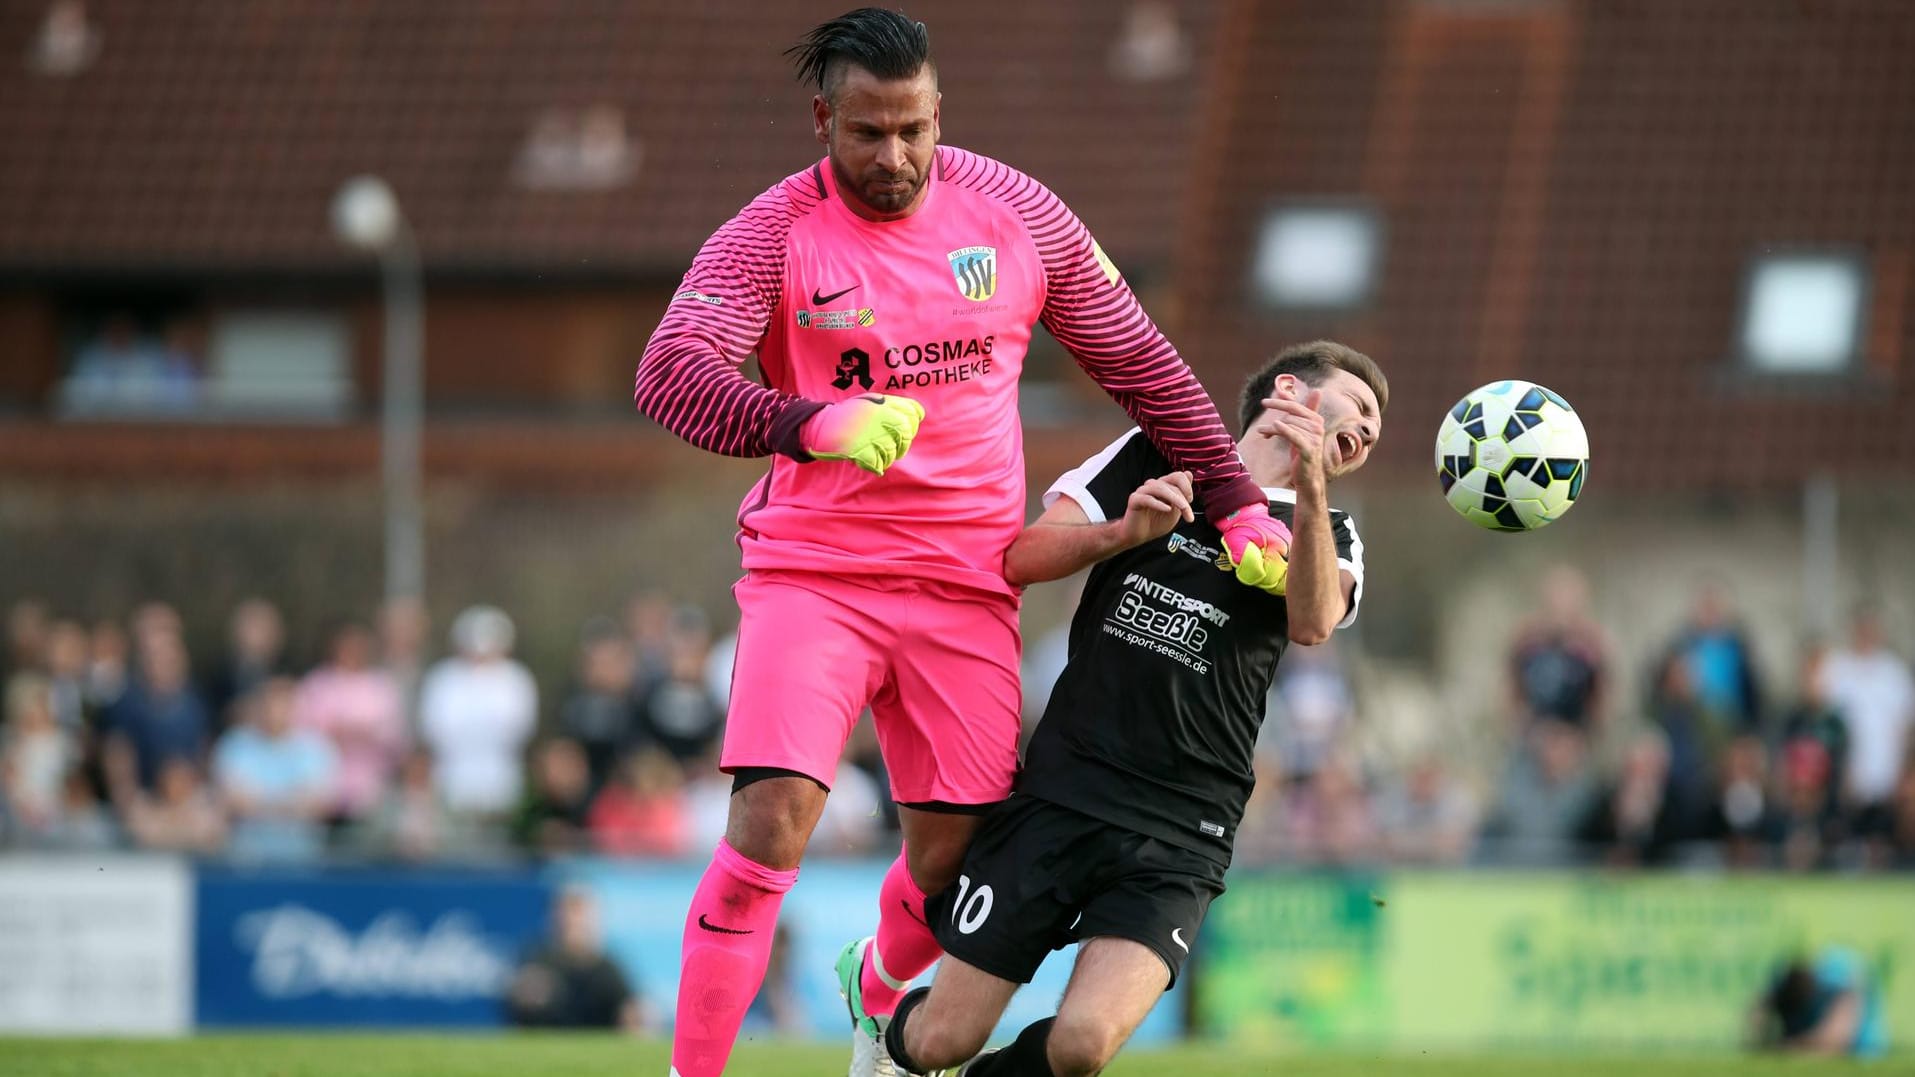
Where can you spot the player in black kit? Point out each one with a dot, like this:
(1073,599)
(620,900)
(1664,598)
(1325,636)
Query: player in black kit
(1123,818)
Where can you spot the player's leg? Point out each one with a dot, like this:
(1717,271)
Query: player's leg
(946,1023)
(734,914)
(803,672)
(1013,904)
(934,844)
(947,722)
(1138,930)
(1112,989)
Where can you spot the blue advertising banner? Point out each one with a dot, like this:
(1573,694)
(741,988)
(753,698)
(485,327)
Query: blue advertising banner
(421,948)
(642,909)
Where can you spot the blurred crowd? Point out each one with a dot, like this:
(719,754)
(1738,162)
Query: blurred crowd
(386,745)
(1720,764)
(117,736)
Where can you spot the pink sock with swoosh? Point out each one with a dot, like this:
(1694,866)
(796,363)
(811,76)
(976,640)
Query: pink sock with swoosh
(905,946)
(727,947)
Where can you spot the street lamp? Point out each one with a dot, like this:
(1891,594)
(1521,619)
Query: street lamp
(366,216)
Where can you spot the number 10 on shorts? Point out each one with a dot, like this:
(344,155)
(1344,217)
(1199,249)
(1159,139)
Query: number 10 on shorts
(972,907)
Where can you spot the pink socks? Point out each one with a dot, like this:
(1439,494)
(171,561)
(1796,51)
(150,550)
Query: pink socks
(727,946)
(904,946)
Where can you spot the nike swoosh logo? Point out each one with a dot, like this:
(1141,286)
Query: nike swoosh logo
(702,922)
(908,911)
(820,300)
(1177,936)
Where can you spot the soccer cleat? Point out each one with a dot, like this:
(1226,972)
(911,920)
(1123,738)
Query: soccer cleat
(869,1057)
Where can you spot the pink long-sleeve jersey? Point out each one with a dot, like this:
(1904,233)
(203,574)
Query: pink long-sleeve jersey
(938,306)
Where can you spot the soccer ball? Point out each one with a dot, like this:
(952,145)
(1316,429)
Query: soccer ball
(1512,456)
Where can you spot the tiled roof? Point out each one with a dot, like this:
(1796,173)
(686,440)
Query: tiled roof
(1570,193)
(212,134)
(1570,189)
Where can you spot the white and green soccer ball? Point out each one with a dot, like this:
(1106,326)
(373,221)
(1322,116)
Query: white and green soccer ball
(1512,456)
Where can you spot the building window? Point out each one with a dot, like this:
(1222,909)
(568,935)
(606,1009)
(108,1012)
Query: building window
(1317,256)
(289,365)
(1802,313)
(169,360)
(134,362)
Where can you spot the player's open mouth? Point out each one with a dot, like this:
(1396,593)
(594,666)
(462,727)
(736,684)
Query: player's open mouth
(1347,447)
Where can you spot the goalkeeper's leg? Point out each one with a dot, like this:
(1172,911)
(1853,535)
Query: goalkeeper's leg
(809,658)
(733,915)
(948,722)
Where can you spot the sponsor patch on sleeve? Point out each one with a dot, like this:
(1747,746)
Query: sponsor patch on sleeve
(1103,260)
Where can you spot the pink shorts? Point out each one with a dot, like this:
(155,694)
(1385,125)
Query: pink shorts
(936,664)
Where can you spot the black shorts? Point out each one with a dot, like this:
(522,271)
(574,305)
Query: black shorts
(1040,876)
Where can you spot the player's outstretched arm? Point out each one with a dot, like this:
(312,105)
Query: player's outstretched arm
(1094,314)
(1064,541)
(1317,592)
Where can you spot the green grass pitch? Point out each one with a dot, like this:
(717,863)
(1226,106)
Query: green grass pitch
(520,1055)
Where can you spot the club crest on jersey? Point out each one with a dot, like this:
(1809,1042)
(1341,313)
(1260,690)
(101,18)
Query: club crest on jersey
(976,271)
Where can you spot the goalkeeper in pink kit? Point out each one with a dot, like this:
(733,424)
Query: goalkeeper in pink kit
(889,291)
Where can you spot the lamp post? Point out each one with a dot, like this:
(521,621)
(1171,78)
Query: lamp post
(366,216)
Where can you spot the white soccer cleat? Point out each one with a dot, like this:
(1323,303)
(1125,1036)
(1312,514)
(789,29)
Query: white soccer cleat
(869,1057)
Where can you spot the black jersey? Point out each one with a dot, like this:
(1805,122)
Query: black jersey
(1154,720)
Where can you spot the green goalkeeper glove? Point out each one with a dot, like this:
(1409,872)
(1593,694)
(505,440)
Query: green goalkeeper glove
(1258,546)
(871,431)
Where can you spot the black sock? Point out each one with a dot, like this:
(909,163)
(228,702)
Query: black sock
(894,1035)
(1026,1057)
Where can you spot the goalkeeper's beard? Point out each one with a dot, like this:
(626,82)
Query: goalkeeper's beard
(875,189)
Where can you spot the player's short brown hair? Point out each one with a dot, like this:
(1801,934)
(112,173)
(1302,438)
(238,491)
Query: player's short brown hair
(1311,362)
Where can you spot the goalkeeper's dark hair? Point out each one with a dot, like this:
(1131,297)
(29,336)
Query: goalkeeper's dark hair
(883,42)
(1310,363)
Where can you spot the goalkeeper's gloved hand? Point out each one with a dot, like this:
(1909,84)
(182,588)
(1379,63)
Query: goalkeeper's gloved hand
(871,431)
(1258,546)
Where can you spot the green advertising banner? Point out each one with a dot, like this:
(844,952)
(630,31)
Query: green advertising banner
(1642,962)
(1293,961)
(1532,961)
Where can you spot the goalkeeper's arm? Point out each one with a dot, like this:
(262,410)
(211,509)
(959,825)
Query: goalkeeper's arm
(872,431)
(688,378)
